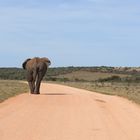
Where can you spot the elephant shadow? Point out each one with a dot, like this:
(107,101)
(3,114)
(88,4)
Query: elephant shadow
(55,94)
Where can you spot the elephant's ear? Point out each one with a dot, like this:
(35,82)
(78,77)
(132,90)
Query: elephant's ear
(24,63)
(47,61)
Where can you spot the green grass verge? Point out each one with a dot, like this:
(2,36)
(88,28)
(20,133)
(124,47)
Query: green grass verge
(9,88)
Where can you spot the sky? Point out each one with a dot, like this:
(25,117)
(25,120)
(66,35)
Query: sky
(70,32)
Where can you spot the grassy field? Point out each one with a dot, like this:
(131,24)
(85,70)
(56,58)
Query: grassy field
(88,76)
(121,84)
(9,88)
(130,91)
(121,81)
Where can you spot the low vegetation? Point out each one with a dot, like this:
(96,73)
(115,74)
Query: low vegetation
(123,89)
(67,72)
(121,81)
(9,88)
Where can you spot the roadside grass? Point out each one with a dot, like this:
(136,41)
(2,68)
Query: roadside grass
(130,91)
(9,88)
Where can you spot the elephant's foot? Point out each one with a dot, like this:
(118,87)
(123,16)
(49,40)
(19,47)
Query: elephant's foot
(31,92)
(36,92)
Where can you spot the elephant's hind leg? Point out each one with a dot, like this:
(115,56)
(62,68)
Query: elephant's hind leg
(31,82)
(38,81)
(31,87)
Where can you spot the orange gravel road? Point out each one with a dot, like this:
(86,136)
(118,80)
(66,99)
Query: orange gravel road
(65,113)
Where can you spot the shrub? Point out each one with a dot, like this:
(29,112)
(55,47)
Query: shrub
(113,78)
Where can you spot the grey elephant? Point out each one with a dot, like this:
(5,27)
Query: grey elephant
(36,69)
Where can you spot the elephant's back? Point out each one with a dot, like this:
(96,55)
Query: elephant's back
(41,66)
(31,64)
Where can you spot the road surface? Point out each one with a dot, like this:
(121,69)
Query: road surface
(65,113)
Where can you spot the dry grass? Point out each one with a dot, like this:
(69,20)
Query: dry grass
(127,90)
(88,76)
(9,88)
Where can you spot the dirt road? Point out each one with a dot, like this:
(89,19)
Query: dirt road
(65,113)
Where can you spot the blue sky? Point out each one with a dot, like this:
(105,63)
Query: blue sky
(70,32)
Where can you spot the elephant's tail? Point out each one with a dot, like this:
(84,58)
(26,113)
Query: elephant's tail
(24,63)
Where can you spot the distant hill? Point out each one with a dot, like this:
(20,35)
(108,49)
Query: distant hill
(75,73)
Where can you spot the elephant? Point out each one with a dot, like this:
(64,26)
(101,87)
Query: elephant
(36,69)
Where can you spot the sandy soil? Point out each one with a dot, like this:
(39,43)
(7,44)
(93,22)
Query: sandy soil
(65,113)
